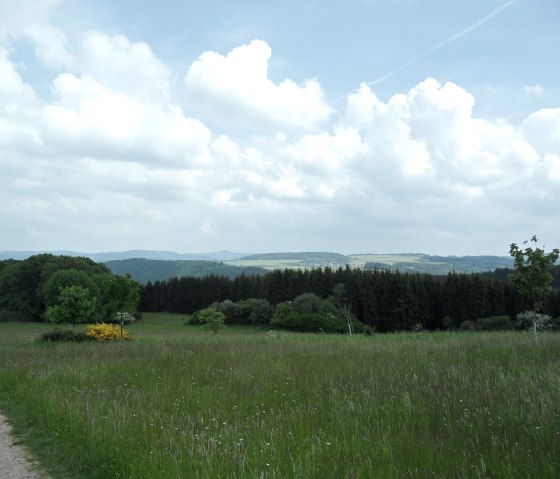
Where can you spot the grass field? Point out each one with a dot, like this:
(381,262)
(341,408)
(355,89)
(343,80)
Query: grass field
(270,264)
(179,403)
(355,260)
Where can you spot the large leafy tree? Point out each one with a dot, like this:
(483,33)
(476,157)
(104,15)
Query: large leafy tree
(23,283)
(75,305)
(56,282)
(533,273)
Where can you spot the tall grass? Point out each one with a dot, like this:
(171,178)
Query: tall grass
(282,406)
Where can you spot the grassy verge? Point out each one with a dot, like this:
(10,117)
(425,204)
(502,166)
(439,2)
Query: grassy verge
(252,404)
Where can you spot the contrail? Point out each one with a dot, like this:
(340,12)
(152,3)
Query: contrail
(447,41)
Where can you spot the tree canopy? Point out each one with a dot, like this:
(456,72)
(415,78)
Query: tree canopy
(30,288)
(533,272)
(74,305)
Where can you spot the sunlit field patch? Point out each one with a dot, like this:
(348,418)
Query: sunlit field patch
(270,404)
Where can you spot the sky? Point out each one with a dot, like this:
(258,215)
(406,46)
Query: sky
(351,126)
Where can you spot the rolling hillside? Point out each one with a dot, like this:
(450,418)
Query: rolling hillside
(409,262)
(145,270)
(422,263)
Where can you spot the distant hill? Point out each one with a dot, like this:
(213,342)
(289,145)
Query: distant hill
(428,264)
(310,256)
(409,262)
(113,256)
(406,262)
(145,270)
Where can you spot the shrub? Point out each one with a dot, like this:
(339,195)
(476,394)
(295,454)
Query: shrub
(248,311)
(310,313)
(211,318)
(449,323)
(107,332)
(368,330)
(468,325)
(258,311)
(495,323)
(63,335)
(544,321)
(121,316)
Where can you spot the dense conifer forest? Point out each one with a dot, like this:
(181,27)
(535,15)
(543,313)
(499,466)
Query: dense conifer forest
(384,300)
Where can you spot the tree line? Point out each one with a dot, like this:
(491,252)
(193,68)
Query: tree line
(384,300)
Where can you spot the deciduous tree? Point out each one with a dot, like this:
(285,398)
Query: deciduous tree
(75,305)
(121,295)
(533,273)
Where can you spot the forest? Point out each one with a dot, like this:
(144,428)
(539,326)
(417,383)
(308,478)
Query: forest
(379,300)
(383,300)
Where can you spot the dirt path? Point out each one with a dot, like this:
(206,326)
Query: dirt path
(14,460)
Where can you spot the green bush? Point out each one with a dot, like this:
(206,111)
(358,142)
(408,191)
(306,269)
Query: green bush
(449,323)
(495,323)
(211,319)
(248,311)
(309,313)
(259,311)
(64,335)
(368,330)
(544,321)
(467,325)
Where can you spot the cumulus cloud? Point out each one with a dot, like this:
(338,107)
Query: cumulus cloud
(88,117)
(542,130)
(30,19)
(430,137)
(16,97)
(18,15)
(235,89)
(124,66)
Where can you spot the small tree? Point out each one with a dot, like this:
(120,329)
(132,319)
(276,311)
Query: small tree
(75,305)
(211,318)
(533,274)
(121,295)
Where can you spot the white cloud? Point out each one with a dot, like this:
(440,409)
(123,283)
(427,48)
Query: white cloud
(552,167)
(324,153)
(88,116)
(124,66)
(542,130)
(51,45)
(30,18)
(18,15)
(235,89)
(428,142)
(535,90)
(16,97)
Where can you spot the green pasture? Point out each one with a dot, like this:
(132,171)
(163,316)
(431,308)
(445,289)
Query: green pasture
(359,260)
(178,402)
(355,261)
(270,264)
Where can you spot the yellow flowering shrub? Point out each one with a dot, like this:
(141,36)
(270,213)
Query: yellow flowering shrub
(107,332)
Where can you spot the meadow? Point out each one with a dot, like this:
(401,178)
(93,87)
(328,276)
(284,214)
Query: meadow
(177,402)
